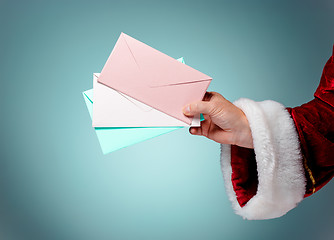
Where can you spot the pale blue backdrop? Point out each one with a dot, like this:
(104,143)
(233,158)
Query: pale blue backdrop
(55,183)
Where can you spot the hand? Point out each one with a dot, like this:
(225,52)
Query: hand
(224,122)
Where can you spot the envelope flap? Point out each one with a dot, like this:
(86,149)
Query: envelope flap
(121,67)
(89,95)
(160,69)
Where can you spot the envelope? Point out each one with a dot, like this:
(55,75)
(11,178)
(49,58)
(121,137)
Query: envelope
(112,139)
(112,108)
(153,78)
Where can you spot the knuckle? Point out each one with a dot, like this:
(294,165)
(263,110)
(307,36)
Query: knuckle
(218,96)
(217,108)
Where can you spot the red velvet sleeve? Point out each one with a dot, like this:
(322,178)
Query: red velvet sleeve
(315,126)
(314,123)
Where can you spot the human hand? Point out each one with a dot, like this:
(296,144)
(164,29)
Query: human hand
(224,122)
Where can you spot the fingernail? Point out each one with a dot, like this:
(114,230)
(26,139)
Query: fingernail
(187,109)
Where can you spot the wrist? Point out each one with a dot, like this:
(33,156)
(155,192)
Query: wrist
(245,138)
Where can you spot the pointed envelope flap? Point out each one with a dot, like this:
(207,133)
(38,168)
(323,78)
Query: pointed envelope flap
(160,69)
(89,95)
(121,69)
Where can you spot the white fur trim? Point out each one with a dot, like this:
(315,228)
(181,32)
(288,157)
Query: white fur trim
(281,178)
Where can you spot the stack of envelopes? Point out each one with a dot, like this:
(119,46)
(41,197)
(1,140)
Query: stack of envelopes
(140,94)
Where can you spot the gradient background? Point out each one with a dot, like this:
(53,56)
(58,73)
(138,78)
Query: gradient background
(56,184)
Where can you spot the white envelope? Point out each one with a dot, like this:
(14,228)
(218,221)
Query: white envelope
(115,109)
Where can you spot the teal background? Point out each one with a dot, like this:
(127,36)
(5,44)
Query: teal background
(55,183)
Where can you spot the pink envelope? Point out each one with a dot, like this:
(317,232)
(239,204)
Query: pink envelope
(152,77)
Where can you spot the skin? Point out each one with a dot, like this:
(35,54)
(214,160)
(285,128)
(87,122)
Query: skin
(224,122)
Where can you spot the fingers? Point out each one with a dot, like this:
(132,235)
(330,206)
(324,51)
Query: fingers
(203,130)
(209,95)
(211,101)
(213,134)
(198,107)
(195,130)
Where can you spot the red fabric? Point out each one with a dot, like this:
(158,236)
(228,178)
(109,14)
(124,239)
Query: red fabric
(315,126)
(244,173)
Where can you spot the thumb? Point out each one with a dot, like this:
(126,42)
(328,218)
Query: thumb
(203,107)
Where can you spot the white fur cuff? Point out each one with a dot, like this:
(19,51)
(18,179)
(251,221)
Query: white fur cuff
(281,178)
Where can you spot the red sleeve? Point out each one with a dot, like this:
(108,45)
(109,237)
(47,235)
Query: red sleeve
(315,126)
(314,123)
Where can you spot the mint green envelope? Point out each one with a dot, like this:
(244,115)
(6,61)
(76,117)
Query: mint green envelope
(112,139)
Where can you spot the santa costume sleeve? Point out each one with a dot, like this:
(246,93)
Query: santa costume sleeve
(293,155)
